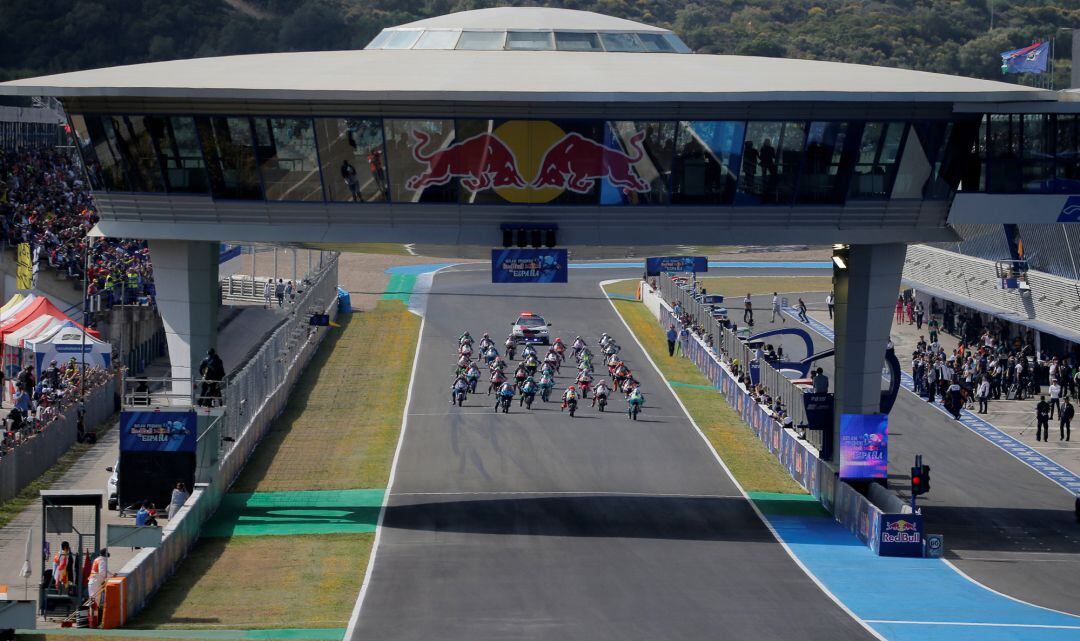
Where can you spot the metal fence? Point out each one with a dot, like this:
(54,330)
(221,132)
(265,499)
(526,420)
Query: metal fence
(22,135)
(709,319)
(265,371)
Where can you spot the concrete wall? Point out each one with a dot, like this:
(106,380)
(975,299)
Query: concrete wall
(149,570)
(30,460)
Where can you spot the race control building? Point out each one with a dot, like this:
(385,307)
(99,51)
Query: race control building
(443,130)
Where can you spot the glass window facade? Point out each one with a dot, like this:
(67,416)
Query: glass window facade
(177,144)
(708,158)
(571,41)
(229,148)
(352,157)
(621,42)
(530,40)
(875,163)
(438,40)
(476,161)
(481,40)
(288,161)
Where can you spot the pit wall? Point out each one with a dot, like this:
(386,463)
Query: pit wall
(850,508)
(283,357)
(32,458)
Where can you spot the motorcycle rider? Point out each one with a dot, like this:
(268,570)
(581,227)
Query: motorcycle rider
(577,346)
(531,363)
(460,384)
(490,354)
(510,344)
(600,391)
(611,348)
(528,351)
(520,374)
(547,383)
(628,385)
(636,397)
(584,379)
(462,362)
(472,375)
(506,391)
(570,394)
(528,391)
(620,373)
(464,338)
(498,363)
(552,358)
(486,342)
(465,350)
(604,338)
(497,379)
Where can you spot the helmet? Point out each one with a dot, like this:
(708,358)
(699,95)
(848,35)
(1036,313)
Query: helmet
(572,387)
(577,338)
(528,379)
(486,335)
(558,340)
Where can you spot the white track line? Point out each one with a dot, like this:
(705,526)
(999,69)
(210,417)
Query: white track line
(350,630)
(840,604)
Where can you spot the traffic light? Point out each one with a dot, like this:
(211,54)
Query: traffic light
(920,480)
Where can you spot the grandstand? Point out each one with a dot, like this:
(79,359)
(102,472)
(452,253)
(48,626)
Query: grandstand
(970,273)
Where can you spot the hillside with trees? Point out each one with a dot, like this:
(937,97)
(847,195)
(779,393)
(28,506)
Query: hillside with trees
(948,36)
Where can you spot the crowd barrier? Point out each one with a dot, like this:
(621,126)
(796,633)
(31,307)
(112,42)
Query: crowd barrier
(256,395)
(850,508)
(30,459)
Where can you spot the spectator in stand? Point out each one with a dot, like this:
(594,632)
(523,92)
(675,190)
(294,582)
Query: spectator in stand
(45,202)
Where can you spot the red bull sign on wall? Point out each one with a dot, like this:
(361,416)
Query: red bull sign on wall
(526,161)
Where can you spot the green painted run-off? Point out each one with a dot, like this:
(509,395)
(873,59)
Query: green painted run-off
(289,513)
(400,287)
(776,504)
(691,385)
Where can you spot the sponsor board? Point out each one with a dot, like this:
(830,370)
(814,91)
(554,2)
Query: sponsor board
(528,266)
(158,431)
(676,264)
(864,446)
(900,535)
(1070,211)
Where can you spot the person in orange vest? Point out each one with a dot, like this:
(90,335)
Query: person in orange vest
(62,568)
(99,574)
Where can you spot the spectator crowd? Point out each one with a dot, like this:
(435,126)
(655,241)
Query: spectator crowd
(45,201)
(38,401)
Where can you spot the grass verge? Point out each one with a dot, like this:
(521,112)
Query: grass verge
(263,582)
(31,493)
(338,431)
(754,467)
(341,426)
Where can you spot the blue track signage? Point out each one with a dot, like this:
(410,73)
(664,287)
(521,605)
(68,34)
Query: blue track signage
(158,431)
(528,266)
(678,264)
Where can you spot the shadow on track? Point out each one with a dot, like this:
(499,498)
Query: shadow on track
(610,516)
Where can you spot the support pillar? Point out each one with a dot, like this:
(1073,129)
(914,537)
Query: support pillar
(866,292)
(186,275)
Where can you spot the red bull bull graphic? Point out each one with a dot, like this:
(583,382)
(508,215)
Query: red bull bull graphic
(481,162)
(576,163)
(530,162)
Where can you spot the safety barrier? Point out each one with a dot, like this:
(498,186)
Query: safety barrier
(256,395)
(777,385)
(30,459)
(850,508)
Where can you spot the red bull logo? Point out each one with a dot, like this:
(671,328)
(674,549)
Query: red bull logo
(481,162)
(528,162)
(900,531)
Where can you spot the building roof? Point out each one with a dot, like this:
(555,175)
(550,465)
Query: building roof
(538,76)
(526,18)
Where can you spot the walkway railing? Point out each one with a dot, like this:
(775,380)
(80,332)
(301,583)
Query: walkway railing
(734,345)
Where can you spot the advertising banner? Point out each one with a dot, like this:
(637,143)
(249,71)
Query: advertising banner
(158,431)
(900,535)
(864,440)
(819,410)
(24,268)
(528,266)
(678,264)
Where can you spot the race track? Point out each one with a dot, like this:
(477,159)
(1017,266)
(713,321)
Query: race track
(534,525)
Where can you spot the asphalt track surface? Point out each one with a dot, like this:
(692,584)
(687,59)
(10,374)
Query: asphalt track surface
(533,525)
(1005,525)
